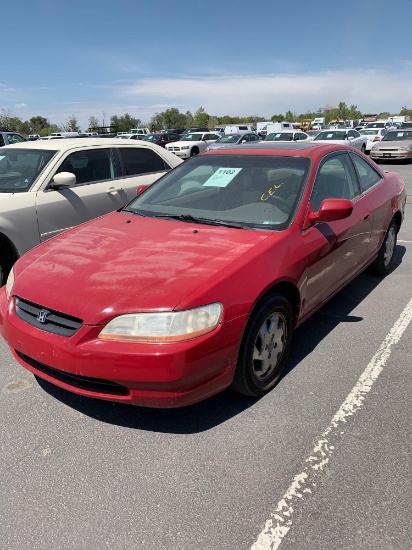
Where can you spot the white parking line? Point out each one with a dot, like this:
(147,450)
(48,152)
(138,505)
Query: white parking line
(277,527)
(405,242)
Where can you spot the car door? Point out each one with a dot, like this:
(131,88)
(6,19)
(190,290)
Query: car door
(99,189)
(140,166)
(371,185)
(355,139)
(336,250)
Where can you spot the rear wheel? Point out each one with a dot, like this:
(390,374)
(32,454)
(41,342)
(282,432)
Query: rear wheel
(5,265)
(265,347)
(383,262)
(363,149)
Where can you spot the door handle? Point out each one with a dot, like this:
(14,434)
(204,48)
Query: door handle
(114,189)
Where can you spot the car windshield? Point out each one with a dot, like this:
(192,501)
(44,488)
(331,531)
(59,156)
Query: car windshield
(398,136)
(19,168)
(279,136)
(192,137)
(153,137)
(334,134)
(253,191)
(230,138)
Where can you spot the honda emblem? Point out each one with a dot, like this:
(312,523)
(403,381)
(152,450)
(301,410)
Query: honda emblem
(42,316)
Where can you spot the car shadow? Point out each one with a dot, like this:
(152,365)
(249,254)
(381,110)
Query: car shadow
(215,410)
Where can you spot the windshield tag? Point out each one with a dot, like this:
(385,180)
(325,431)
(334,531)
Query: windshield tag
(222,177)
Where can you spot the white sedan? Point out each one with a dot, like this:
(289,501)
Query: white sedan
(287,135)
(343,137)
(192,144)
(373,135)
(49,186)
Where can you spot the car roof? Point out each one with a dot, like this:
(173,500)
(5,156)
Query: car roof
(305,149)
(70,143)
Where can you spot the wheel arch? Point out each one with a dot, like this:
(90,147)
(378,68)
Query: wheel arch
(9,251)
(398,219)
(288,290)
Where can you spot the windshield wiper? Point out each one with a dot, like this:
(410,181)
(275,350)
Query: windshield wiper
(195,219)
(130,211)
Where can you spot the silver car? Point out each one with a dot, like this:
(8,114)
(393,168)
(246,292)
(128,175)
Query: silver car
(395,145)
(47,187)
(234,139)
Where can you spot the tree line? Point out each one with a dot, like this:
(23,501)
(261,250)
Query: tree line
(173,118)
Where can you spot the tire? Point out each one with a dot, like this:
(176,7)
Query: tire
(194,151)
(383,262)
(363,149)
(259,366)
(5,265)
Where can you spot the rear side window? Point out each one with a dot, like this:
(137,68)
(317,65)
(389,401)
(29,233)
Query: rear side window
(368,177)
(142,161)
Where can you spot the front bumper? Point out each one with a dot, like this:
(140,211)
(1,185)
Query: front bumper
(394,154)
(150,375)
(185,154)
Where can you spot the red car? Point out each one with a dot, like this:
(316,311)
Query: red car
(198,283)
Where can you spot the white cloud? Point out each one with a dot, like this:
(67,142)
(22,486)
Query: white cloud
(20,106)
(268,94)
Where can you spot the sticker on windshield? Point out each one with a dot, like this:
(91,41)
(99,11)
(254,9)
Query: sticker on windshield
(222,177)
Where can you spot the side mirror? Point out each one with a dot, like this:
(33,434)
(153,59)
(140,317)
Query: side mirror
(331,210)
(64,179)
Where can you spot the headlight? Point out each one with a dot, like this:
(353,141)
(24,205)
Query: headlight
(163,327)
(10,283)
(185,147)
(404,148)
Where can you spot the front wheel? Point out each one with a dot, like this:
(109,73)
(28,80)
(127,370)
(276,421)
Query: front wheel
(363,149)
(194,151)
(383,262)
(265,347)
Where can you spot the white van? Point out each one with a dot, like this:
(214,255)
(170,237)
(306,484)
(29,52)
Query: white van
(64,134)
(236,128)
(279,126)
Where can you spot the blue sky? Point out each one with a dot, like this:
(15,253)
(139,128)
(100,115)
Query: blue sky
(236,57)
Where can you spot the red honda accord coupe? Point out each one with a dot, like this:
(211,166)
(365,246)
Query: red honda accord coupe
(199,282)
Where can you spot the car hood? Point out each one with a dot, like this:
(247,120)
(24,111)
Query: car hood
(123,263)
(383,144)
(220,145)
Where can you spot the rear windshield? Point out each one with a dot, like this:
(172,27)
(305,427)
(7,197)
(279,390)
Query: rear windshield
(19,168)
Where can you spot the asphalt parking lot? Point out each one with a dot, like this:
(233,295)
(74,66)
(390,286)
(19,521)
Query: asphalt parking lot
(323,461)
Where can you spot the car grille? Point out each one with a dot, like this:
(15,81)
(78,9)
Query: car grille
(389,149)
(47,319)
(96,385)
(174,148)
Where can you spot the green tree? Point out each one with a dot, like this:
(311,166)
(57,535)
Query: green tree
(71,125)
(277,118)
(94,122)
(212,122)
(405,111)
(201,117)
(125,123)
(171,118)
(38,124)
(289,116)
